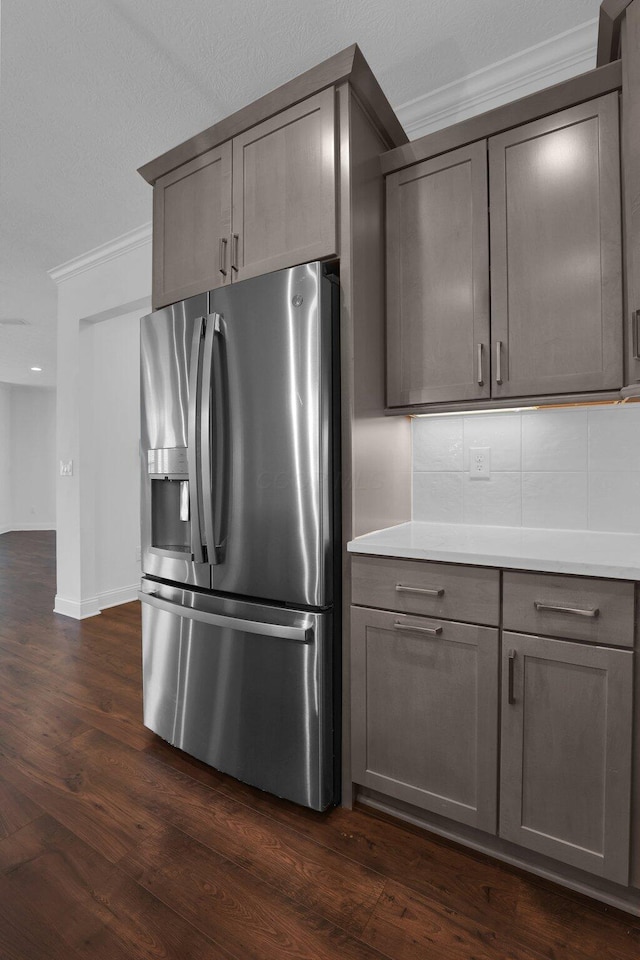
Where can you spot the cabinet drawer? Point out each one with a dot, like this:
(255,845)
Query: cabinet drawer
(579,608)
(451,591)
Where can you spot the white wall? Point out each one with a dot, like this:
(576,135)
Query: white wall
(110,352)
(33,458)
(575,469)
(5,445)
(103,285)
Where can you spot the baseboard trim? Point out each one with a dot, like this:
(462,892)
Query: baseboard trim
(113,598)
(30,526)
(81,609)
(5,530)
(76,609)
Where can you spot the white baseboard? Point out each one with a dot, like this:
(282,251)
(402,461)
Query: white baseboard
(563,56)
(31,526)
(112,598)
(77,609)
(4,530)
(81,609)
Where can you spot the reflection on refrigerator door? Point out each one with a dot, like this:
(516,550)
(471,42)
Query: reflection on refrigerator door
(243,687)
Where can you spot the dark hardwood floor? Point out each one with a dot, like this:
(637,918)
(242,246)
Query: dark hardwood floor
(114,846)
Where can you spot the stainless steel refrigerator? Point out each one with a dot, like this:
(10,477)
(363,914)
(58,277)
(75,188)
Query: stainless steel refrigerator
(240,549)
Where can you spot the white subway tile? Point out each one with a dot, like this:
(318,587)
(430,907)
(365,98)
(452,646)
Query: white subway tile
(437,497)
(437,444)
(501,432)
(554,440)
(614,439)
(496,502)
(555,500)
(614,501)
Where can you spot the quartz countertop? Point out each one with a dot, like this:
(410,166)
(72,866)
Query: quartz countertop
(581,552)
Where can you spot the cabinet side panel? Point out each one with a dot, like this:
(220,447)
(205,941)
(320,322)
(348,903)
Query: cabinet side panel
(376,450)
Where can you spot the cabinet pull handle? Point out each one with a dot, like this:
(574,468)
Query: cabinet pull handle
(432,631)
(499,361)
(222,256)
(635,320)
(591,612)
(480,376)
(234,251)
(512,665)
(425,591)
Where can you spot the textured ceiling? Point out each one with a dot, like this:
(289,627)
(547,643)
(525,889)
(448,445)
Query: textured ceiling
(92,89)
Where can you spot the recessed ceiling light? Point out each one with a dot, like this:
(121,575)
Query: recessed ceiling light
(36,369)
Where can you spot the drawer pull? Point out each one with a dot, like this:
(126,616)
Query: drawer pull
(511,697)
(432,631)
(425,591)
(576,611)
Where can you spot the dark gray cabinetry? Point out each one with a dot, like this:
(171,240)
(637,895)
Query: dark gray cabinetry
(551,216)
(556,281)
(566,752)
(438,280)
(425,713)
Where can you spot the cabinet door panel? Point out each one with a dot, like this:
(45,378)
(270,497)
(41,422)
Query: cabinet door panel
(556,283)
(566,752)
(438,280)
(284,188)
(191,216)
(424,713)
(630,40)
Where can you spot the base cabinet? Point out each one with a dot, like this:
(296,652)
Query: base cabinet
(565,769)
(425,713)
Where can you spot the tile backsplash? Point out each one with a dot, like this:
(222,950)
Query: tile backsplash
(562,469)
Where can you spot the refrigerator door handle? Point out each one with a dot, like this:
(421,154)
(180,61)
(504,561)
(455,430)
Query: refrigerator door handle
(197,549)
(213,331)
(303,634)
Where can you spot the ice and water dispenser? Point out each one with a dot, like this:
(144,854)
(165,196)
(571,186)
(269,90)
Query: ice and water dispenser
(170,512)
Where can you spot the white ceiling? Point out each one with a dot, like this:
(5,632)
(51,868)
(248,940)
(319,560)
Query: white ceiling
(92,89)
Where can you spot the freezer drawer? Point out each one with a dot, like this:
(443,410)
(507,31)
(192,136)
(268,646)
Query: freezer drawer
(245,687)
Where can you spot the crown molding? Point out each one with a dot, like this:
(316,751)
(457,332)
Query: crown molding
(102,254)
(543,65)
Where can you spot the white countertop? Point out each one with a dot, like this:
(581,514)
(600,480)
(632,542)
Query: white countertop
(582,552)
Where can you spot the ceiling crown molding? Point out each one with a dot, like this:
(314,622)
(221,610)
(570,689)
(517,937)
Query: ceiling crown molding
(552,61)
(102,254)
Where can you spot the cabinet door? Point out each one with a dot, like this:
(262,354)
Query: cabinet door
(425,713)
(191,227)
(556,283)
(438,280)
(566,752)
(284,189)
(630,40)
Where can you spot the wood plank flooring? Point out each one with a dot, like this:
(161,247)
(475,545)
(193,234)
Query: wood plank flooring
(113,845)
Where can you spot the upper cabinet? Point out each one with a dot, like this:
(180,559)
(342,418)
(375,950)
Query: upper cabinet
(438,280)
(504,256)
(284,189)
(260,202)
(556,269)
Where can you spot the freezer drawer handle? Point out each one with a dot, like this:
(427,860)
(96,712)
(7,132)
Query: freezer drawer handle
(425,591)
(576,611)
(302,634)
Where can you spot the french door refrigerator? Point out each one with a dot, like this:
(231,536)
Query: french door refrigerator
(240,549)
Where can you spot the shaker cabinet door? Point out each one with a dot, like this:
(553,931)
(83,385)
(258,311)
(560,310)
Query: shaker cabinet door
(438,280)
(284,189)
(425,713)
(191,227)
(566,752)
(556,280)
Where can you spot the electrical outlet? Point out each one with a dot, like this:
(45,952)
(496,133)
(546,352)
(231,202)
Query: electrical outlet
(66,468)
(479,463)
